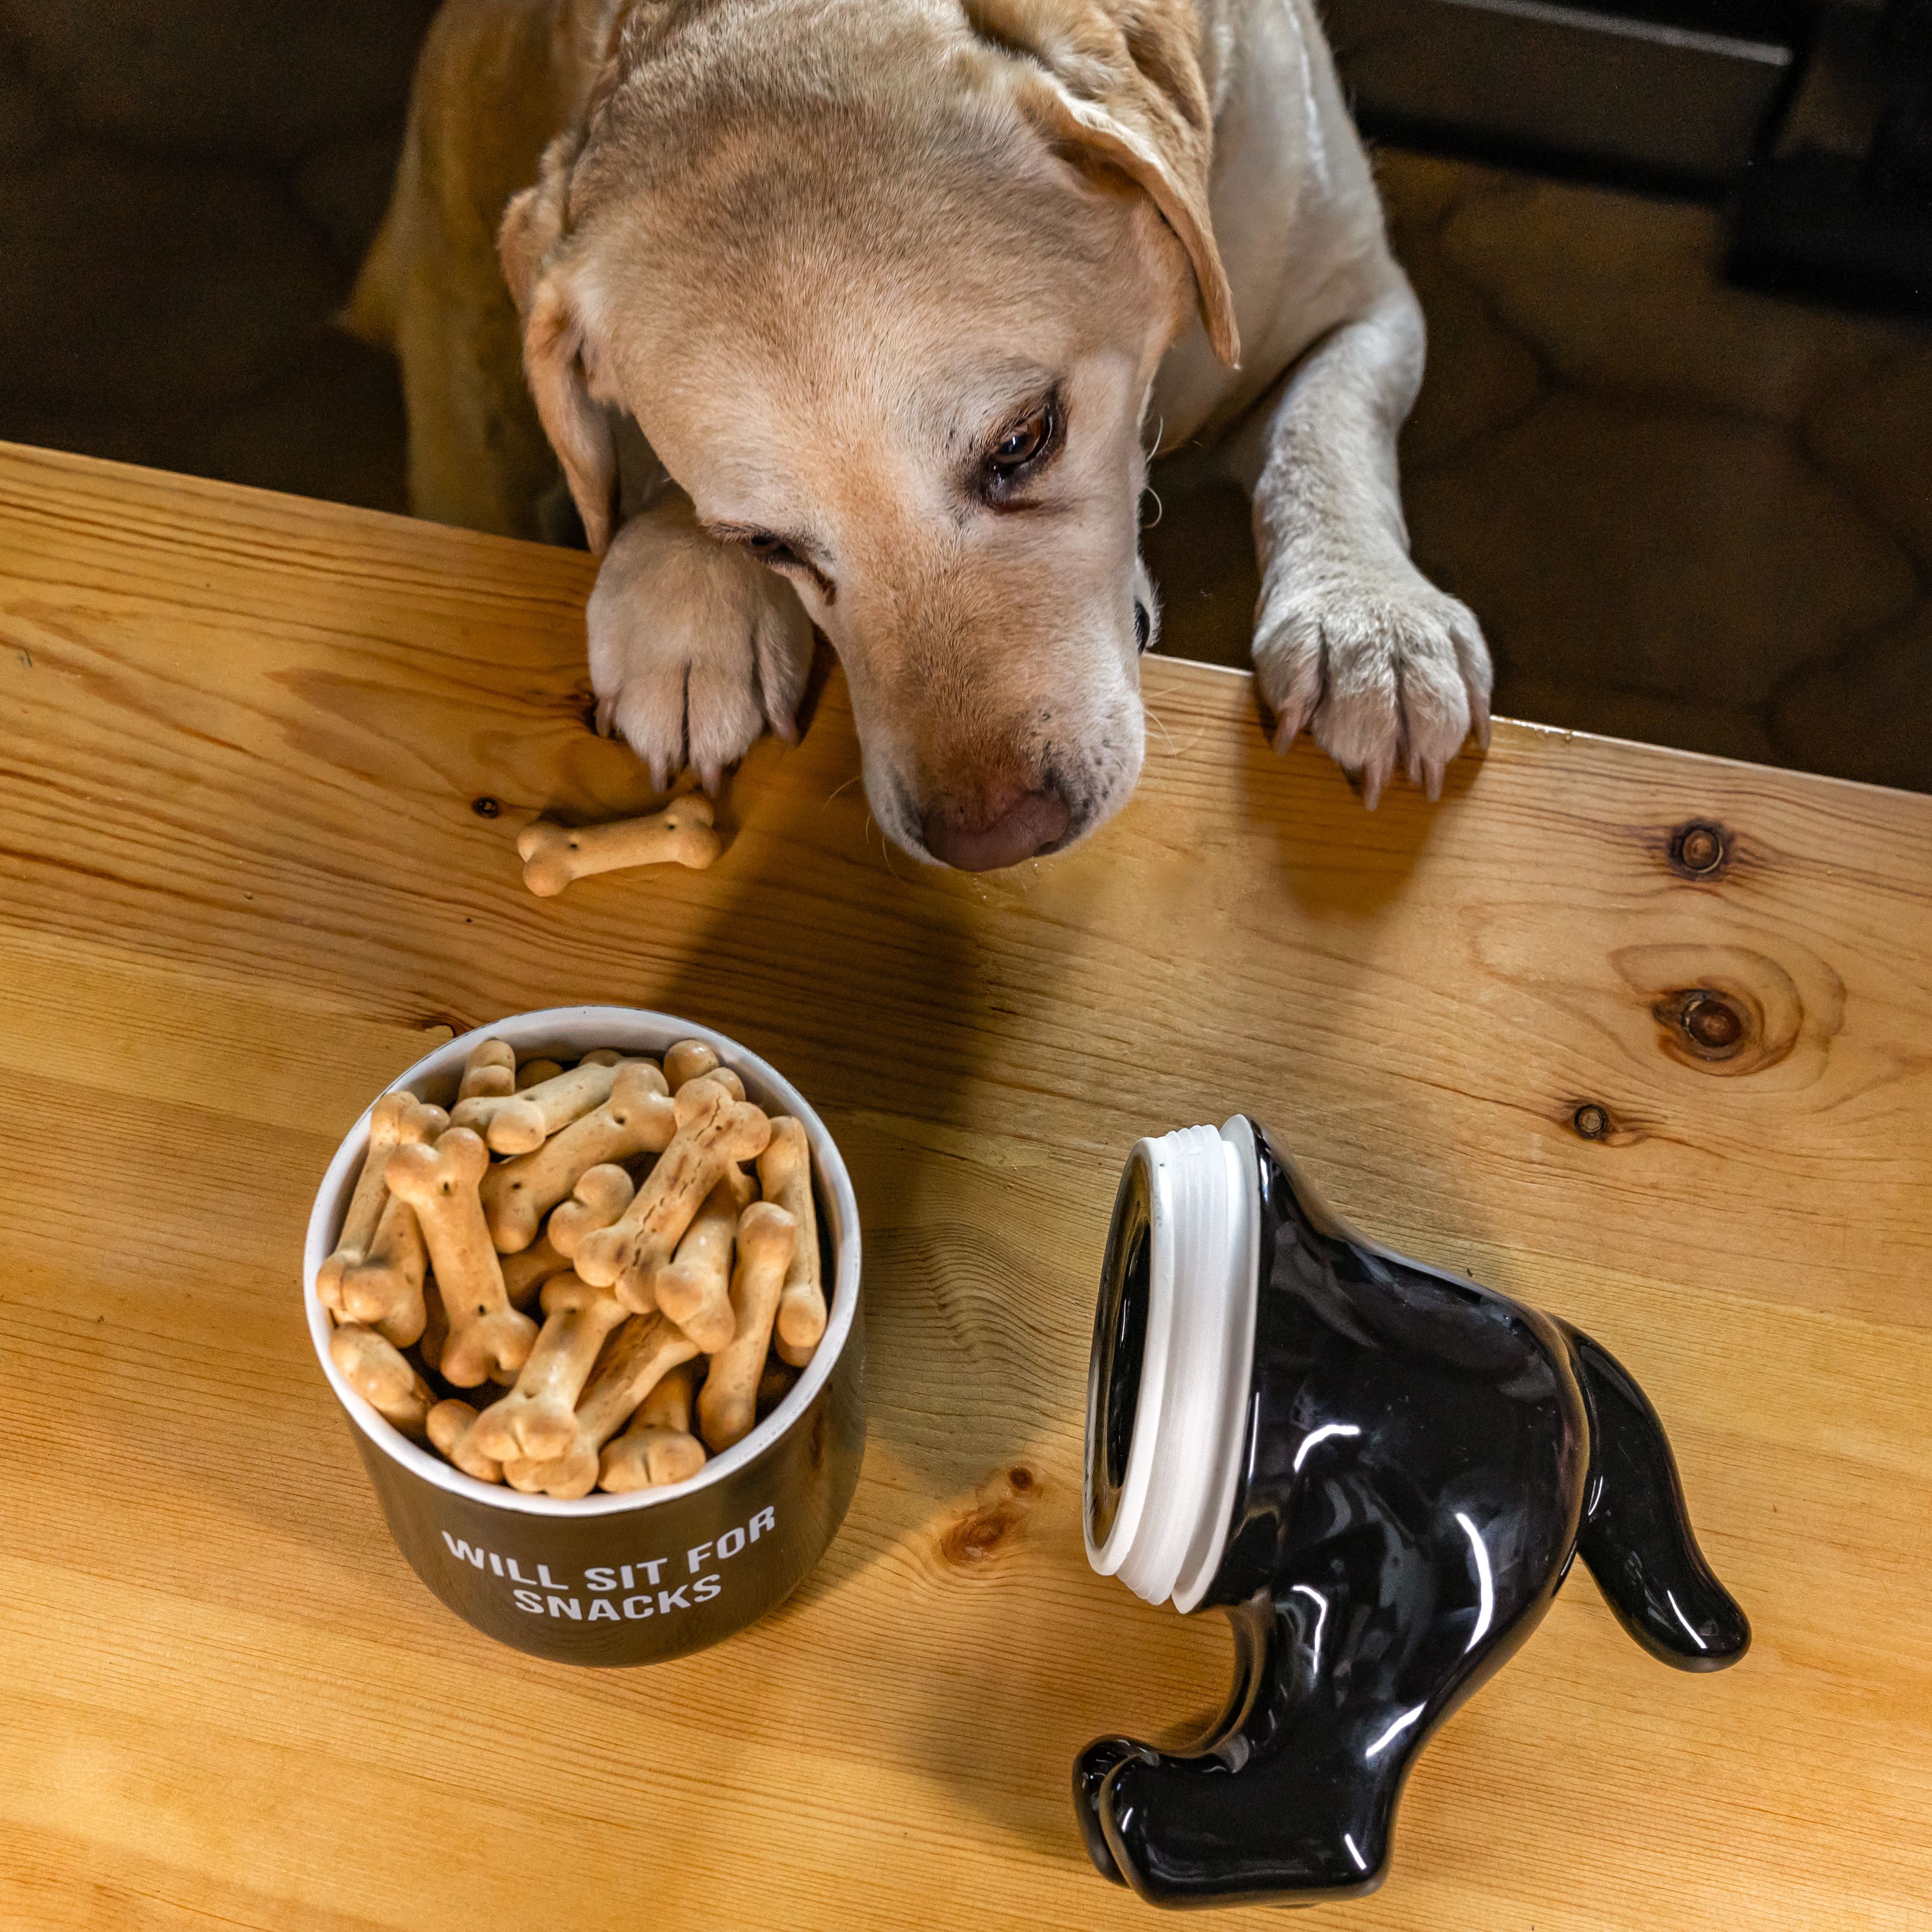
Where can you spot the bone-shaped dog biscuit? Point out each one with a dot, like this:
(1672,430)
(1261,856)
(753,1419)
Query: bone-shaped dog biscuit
(452,1428)
(383,1289)
(519,1122)
(440,1183)
(534,1072)
(680,835)
(669,1405)
(658,1447)
(785,1175)
(436,1333)
(365,1204)
(727,1407)
(601,1196)
(396,1118)
(694,1289)
(381,1375)
(550,1479)
(490,1068)
(537,1421)
(644,1350)
(689,1060)
(639,1118)
(715,1133)
(526,1270)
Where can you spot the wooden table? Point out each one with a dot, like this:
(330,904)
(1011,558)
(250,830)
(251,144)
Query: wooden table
(262,764)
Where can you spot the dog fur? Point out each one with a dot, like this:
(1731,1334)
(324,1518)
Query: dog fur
(792,280)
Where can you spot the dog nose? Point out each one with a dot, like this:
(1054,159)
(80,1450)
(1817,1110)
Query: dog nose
(1008,826)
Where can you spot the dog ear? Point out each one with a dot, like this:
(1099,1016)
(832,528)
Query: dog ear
(1119,84)
(534,224)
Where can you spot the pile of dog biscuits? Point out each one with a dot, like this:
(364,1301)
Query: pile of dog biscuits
(625,1255)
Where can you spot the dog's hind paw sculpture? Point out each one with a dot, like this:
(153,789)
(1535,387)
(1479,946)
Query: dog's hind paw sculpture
(1382,1472)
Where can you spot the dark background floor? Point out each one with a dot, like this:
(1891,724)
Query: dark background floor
(1684,513)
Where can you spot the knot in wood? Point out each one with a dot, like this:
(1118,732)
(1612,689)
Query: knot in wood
(977,1534)
(1699,849)
(1712,1024)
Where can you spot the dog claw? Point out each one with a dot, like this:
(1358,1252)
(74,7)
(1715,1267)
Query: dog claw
(1433,776)
(712,778)
(1289,725)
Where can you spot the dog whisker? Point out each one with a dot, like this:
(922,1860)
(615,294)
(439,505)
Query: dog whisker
(885,842)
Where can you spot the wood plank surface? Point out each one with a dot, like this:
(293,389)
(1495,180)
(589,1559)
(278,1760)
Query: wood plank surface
(246,744)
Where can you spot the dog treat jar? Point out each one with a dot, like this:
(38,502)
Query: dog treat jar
(1381,1472)
(655,1573)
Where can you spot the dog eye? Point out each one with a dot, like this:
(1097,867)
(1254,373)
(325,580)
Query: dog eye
(1023,446)
(769,549)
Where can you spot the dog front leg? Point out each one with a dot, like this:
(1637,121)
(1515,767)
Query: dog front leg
(1351,639)
(694,648)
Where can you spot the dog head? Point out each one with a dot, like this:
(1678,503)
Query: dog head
(888,305)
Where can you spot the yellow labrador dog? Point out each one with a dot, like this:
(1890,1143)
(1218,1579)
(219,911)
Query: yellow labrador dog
(864,314)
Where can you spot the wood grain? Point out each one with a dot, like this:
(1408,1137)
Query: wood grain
(244,878)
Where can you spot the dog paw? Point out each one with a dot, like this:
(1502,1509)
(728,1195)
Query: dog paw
(1383,668)
(694,649)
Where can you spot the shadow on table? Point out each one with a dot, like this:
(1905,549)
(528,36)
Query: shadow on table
(1335,856)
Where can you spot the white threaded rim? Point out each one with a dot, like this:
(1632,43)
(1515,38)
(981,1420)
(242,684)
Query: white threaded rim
(1171,1526)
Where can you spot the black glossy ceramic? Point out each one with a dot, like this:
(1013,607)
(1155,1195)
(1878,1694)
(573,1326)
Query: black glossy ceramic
(653,1575)
(1420,1460)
